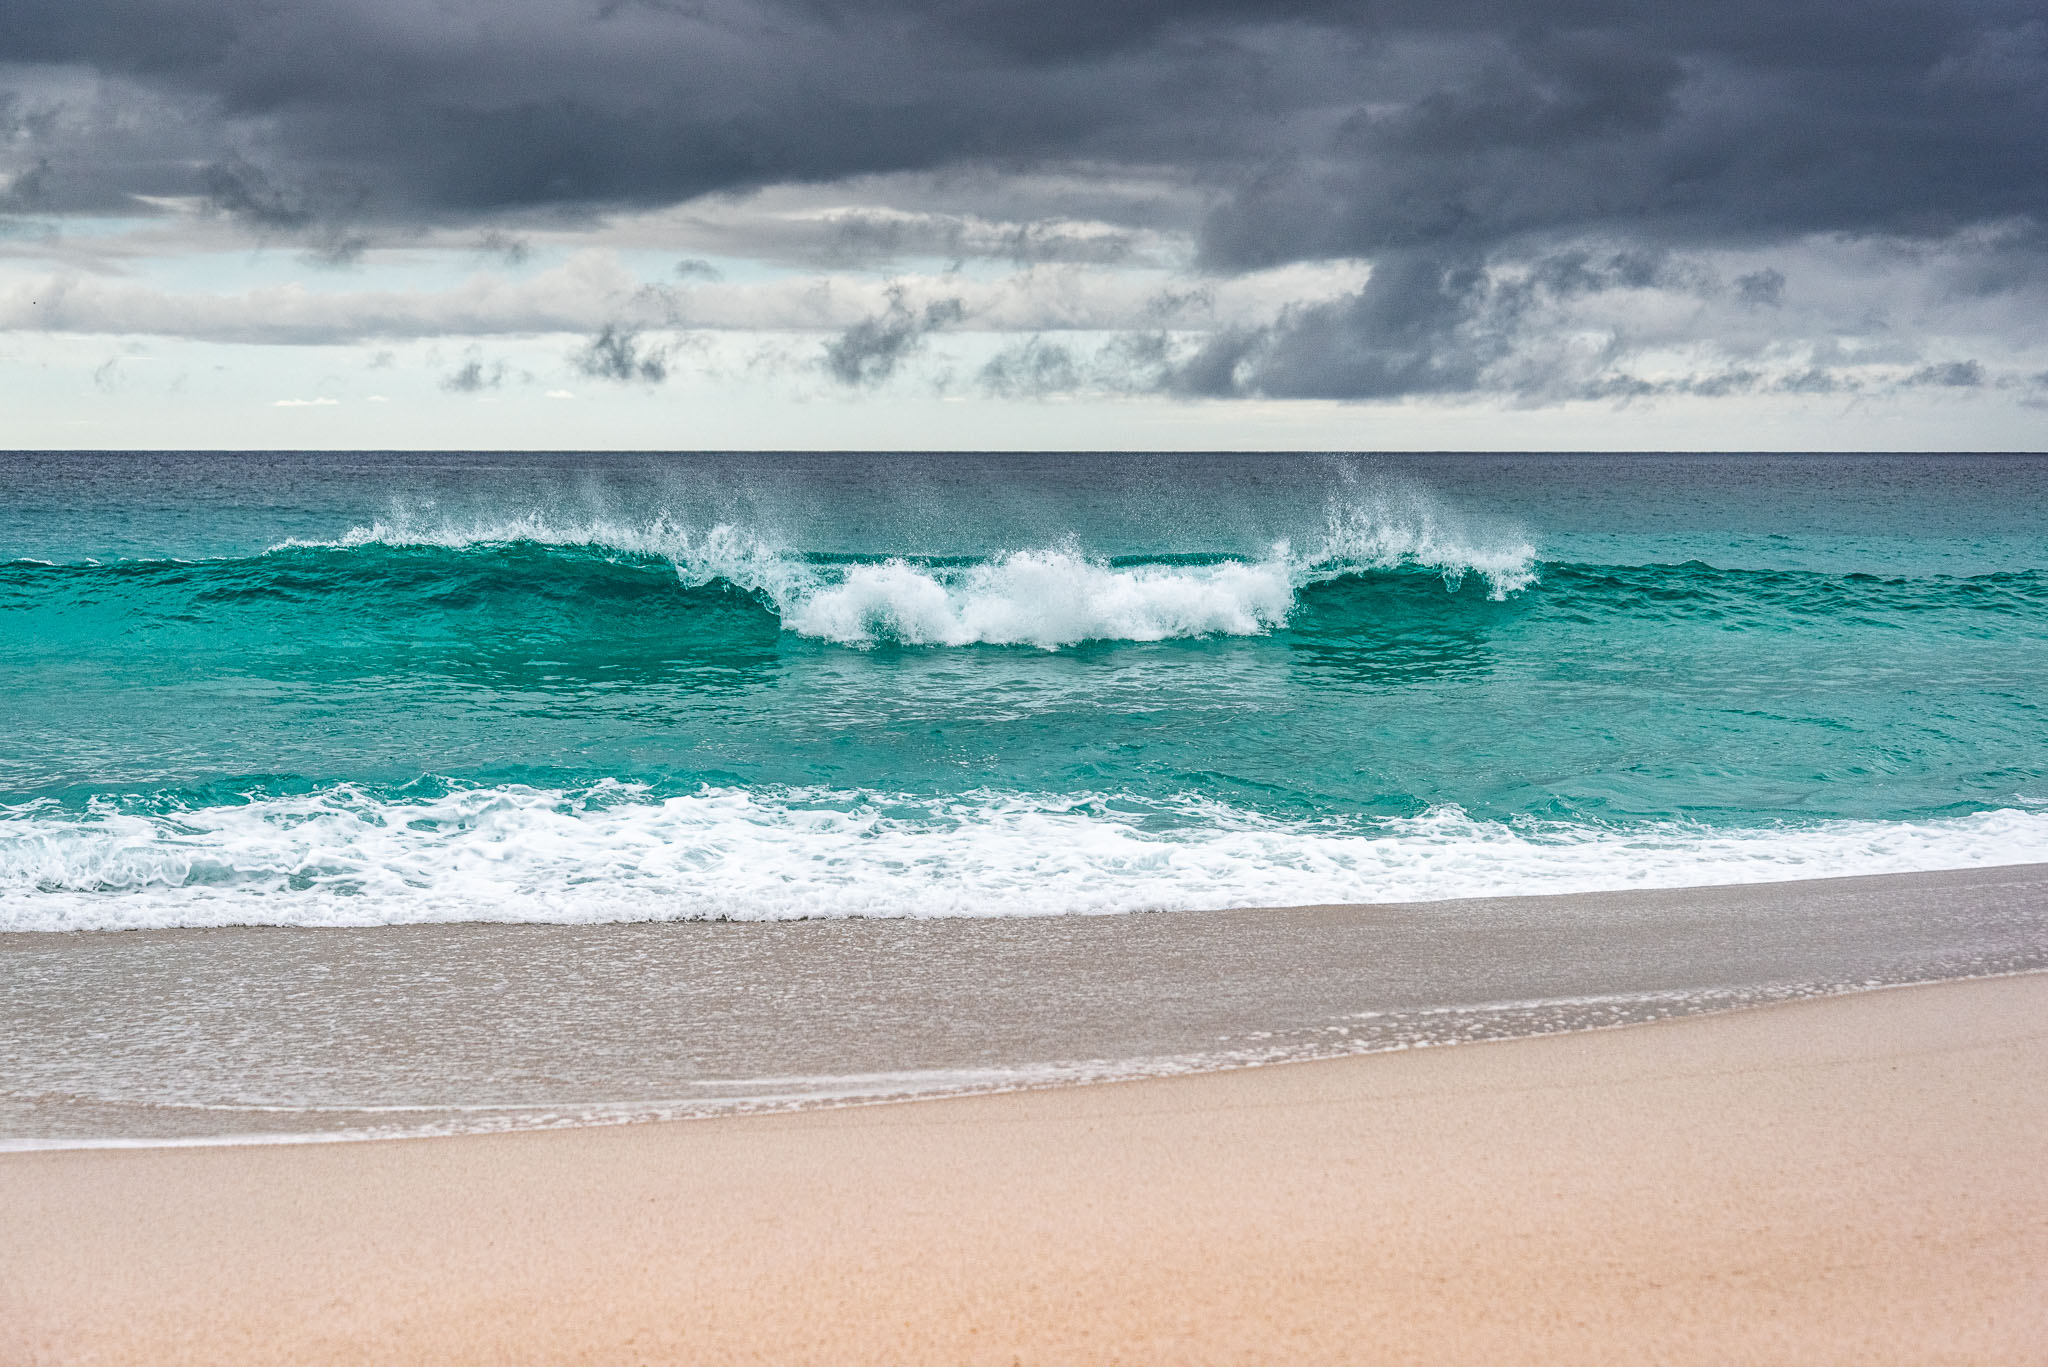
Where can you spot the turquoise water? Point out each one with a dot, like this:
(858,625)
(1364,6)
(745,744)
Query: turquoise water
(359,688)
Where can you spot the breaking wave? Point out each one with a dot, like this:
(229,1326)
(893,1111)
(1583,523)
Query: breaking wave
(1046,596)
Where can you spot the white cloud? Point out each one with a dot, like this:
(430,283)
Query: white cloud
(594,289)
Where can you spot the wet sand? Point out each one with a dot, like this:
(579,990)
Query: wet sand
(1854,1179)
(390,1030)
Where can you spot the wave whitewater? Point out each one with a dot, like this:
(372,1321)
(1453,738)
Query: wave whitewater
(630,594)
(1047,596)
(612,851)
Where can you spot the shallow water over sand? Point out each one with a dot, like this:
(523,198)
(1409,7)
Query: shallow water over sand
(168,1036)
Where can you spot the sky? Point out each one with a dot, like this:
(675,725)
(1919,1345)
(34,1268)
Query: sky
(964,224)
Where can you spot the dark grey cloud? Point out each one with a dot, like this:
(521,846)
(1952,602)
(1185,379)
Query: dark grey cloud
(1543,330)
(869,352)
(618,353)
(91,142)
(321,215)
(1695,123)
(1420,325)
(25,191)
(1764,287)
(1424,323)
(237,188)
(473,377)
(1324,129)
(1468,148)
(499,245)
(1034,369)
(1949,375)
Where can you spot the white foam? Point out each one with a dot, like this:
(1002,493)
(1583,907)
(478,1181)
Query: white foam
(1045,596)
(613,852)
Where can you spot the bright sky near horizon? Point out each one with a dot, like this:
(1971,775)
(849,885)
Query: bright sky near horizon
(910,224)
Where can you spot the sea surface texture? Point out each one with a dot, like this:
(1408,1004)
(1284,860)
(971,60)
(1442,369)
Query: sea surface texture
(358,689)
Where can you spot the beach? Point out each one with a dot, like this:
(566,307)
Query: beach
(247,1032)
(977,684)
(1063,907)
(1860,1178)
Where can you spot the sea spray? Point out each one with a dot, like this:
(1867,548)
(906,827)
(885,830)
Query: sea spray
(1048,596)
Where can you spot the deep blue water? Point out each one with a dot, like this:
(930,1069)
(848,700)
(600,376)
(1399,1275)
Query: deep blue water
(369,687)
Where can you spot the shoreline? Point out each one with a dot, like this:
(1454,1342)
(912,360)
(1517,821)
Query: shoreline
(265,1035)
(1854,1178)
(917,1098)
(1534,898)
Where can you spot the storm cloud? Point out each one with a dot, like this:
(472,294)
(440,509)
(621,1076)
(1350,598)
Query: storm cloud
(1323,128)
(1471,150)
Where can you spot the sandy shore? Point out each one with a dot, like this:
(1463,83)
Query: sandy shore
(1858,1179)
(384,1030)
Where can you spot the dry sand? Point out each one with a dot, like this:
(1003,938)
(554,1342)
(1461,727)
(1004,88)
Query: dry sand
(1860,1179)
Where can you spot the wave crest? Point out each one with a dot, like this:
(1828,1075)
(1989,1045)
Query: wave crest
(1047,596)
(1382,534)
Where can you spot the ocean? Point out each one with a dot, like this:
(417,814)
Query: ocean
(362,794)
(353,689)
